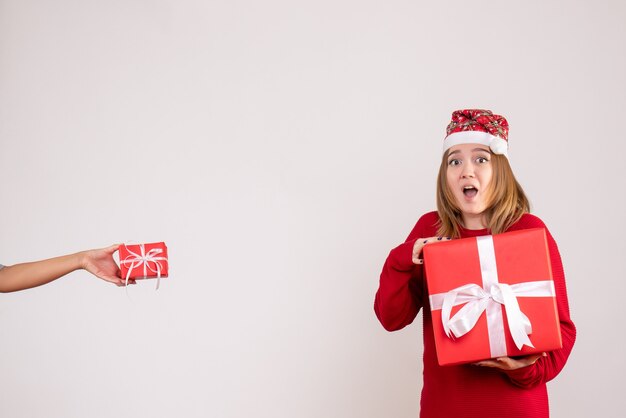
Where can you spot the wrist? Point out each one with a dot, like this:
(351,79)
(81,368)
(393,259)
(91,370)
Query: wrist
(80,260)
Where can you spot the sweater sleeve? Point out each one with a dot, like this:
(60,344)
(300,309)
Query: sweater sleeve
(547,368)
(399,295)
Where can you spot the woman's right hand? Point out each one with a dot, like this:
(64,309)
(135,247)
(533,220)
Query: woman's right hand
(101,264)
(419,245)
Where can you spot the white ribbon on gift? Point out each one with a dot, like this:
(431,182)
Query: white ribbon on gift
(135,260)
(490,298)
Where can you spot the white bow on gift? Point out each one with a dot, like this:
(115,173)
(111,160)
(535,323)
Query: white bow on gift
(135,260)
(479,300)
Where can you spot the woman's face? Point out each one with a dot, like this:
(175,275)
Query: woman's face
(469,174)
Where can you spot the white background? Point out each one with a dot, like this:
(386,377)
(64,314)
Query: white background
(281,149)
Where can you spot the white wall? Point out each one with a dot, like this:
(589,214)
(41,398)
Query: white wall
(281,149)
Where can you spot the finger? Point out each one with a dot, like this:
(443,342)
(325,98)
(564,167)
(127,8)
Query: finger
(434,240)
(488,363)
(512,364)
(421,242)
(419,245)
(112,248)
(109,278)
(530,359)
(116,280)
(507,362)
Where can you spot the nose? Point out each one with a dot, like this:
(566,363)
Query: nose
(467,172)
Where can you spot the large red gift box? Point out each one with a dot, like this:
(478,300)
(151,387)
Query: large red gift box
(492,296)
(143,261)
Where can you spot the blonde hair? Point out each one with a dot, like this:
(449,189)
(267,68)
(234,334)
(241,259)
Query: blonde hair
(506,200)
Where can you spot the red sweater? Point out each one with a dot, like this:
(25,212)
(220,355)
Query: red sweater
(468,390)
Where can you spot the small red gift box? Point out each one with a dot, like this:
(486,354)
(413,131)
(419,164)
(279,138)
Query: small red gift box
(143,261)
(492,296)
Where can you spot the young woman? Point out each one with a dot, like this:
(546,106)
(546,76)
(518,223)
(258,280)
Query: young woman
(98,262)
(477,194)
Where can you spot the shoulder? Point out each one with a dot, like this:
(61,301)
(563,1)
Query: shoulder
(426,226)
(429,219)
(528,221)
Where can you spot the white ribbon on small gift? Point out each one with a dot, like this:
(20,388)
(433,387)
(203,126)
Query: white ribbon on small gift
(135,260)
(490,298)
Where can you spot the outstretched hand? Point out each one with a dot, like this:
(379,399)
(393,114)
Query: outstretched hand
(101,264)
(508,363)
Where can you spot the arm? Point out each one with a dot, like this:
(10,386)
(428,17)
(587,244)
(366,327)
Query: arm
(533,370)
(548,367)
(399,298)
(400,293)
(27,275)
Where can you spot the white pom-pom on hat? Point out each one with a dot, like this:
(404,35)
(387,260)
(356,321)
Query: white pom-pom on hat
(499,146)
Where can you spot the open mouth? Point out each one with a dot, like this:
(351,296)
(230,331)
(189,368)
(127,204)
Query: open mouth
(470,191)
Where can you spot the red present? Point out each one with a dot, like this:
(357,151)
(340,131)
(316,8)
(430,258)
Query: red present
(143,261)
(492,296)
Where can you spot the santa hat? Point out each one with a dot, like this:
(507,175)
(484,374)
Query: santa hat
(478,126)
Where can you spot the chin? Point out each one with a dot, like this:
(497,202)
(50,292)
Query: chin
(472,211)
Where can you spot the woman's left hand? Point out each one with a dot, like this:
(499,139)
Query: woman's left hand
(508,363)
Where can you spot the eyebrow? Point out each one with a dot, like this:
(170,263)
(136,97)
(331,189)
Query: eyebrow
(475,149)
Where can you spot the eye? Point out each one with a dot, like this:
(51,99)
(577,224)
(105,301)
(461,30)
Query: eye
(482,160)
(454,162)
